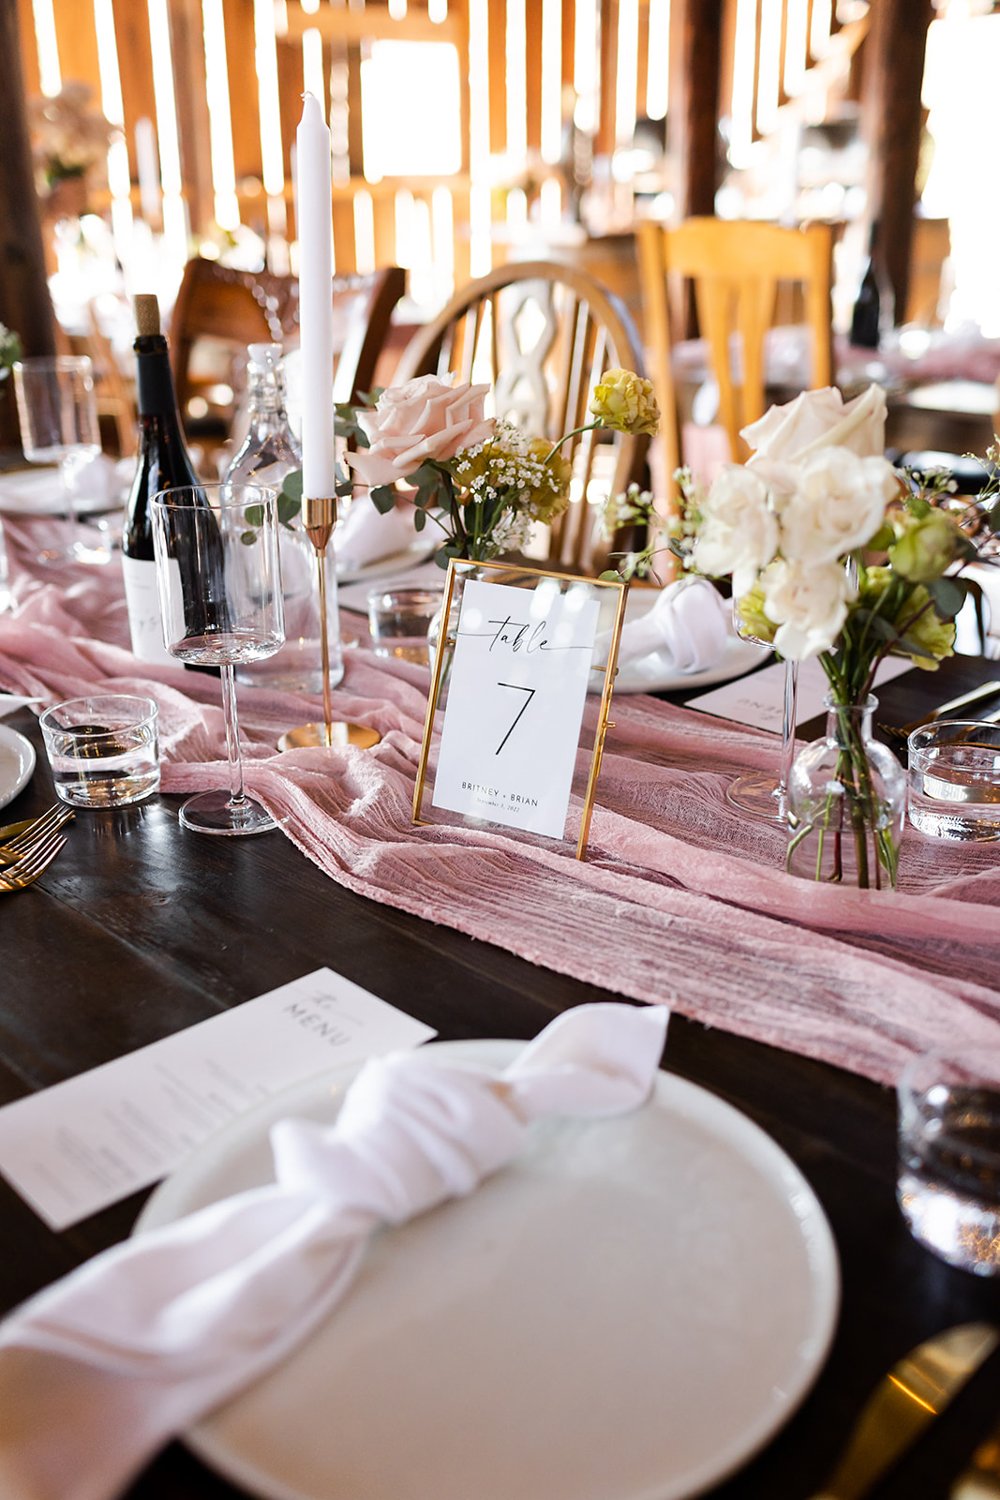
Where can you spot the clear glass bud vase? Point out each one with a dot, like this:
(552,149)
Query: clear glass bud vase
(847,800)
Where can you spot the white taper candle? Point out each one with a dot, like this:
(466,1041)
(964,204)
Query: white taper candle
(315,299)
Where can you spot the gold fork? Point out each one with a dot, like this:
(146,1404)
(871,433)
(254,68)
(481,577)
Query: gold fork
(26,870)
(21,838)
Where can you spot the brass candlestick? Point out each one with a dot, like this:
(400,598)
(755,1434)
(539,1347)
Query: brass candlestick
(319,518)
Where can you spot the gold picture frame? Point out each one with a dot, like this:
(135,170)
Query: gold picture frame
(610,596)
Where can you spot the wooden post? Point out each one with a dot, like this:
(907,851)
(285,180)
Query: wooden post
(25,305)
(692,121)
(891,119)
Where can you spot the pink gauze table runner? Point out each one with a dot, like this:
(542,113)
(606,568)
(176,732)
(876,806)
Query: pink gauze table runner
(681,901)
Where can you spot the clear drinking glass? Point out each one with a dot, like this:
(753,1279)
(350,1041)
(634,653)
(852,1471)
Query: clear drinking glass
(954,779)
(58,416)
(102,749)
(756,793)
(219,583)
(399,620)
(949,1155)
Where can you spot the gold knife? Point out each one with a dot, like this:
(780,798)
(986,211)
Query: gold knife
(904,1403)
(980,694)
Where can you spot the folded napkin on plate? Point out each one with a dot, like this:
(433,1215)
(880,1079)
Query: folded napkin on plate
(687,628)
(98,484)
(99,1370)
(365,536)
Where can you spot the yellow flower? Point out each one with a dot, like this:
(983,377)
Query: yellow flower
(934,637)
(552,496)
(926,547)
(625,401)
(753,620)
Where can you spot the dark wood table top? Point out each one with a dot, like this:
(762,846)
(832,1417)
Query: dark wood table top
(140,929)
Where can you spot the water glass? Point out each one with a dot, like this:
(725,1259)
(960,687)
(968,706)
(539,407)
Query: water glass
(103,749)
(219,583)
(954,779)
(949,1155)
(399,620)
(57,412)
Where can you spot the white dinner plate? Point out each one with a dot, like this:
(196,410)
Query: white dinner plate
(17,763)
(627,1312)
(421,547)
(39,492)
(656,673)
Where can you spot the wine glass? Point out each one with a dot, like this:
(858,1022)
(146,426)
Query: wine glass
(219,584)
(756,793)
(58,417)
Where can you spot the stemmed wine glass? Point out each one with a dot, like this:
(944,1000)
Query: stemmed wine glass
(756,793)
(58,417)
(219,584)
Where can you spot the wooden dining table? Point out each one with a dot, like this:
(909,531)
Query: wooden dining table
(140,928)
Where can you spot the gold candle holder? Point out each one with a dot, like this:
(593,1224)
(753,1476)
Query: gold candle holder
(319,516)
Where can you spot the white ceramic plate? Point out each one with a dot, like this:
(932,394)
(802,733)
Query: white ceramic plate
(656,673)
(628,1312)
(39,492)
(421,547)
(17,763)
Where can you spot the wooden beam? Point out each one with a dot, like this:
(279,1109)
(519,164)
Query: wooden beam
(24,294)
(890,124)
(188,49)
(695,62)
(336,24)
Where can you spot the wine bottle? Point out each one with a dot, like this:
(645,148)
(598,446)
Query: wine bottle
(873,308)
(164,463)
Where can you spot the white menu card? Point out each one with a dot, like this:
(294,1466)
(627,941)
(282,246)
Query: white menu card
(758,699)
(81,1145)
(516,695)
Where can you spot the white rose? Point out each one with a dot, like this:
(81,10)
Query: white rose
(838,504)
(786,436)
(808,604)
(739,533)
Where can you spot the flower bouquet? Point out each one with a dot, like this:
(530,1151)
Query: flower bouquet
(831,554)
(480,481)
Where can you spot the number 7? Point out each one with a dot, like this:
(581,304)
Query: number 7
(531,693)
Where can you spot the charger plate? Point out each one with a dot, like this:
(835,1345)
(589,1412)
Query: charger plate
(627,1312)
(17,763)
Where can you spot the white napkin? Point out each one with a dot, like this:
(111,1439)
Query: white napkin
(687,628)
(98,484)
(99,1370)
(11,702)
(364,536)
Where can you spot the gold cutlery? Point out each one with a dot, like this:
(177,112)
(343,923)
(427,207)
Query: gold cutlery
(981,1480)
(18,839)
(980,694)
(904,1403)
(26,870)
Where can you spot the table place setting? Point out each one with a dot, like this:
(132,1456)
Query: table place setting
(391,1248)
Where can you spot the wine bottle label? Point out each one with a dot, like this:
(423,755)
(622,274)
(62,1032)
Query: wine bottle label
(143,602)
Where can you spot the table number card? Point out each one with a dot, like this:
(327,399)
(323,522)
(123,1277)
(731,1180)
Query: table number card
(505,719)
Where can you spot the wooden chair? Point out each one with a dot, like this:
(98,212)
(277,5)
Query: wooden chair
(541,333)
(236,308)
(736,268)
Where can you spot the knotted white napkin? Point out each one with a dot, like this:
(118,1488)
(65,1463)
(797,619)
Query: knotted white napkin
(99,1370)
(687,628)
(365,536)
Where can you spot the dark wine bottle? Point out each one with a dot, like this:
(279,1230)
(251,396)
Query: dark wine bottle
(873,308)
(164,463)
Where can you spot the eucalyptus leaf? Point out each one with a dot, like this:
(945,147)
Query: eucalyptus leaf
(248,538)
(383,497)
(948,597)
(419,520)
(291,486)
(254,515)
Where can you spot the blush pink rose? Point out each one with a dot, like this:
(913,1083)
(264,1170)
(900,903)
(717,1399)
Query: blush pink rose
(425,418)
